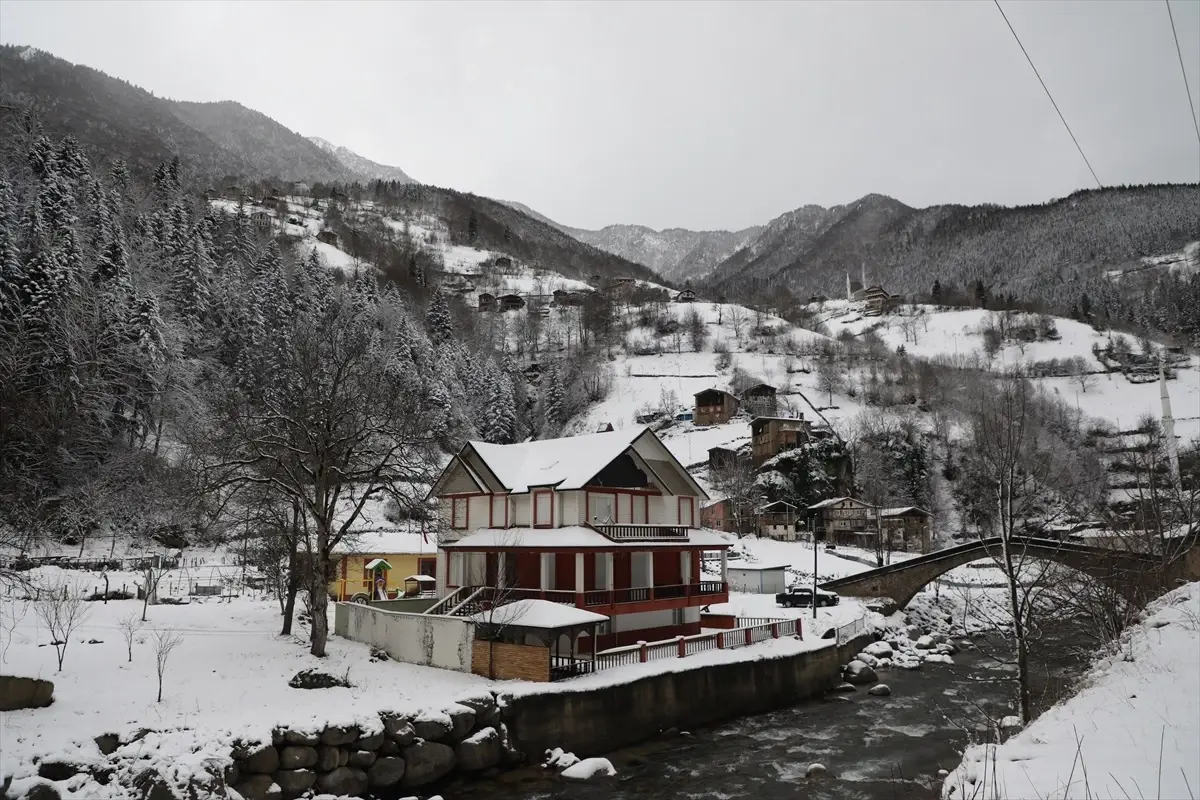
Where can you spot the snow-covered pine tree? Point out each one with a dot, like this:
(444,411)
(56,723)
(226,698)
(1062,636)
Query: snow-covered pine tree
(553,397)
(438,321)
(11,272)
(191,283)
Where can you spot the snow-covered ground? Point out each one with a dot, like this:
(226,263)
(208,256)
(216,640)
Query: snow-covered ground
(1133,730)
(227,679)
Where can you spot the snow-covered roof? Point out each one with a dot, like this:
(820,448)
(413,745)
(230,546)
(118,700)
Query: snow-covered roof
(565,463)
(575,537)
(422,578)
(388,541)
(835,500)
(538,614)
(739,566)
(900,511)
(377,562)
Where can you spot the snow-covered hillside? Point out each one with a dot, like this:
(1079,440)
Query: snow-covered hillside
(1132,731)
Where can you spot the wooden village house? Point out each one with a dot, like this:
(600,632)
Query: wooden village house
(714,407)
(770,436)
(760,400)
(605,522)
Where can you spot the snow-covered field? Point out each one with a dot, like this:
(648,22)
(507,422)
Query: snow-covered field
(1132,731)
(227,679)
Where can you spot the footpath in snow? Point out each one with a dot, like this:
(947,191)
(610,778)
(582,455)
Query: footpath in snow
(1132,731)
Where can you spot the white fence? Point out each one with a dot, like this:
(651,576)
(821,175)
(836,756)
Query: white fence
(851,629)
(428,640)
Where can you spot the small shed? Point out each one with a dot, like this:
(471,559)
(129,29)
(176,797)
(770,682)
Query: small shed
(418,585)
(605,428)
(509,637)
(686,296)
(487,301)
(756,579)
(510,302)
(328,237)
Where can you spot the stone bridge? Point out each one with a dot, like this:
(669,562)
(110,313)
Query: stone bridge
(1137,576)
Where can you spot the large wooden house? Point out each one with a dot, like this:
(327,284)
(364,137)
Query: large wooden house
(760,400)
(607,522)
(771,436)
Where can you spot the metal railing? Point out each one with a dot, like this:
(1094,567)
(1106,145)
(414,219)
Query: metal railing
(851,629)
(642,532)
(593,598)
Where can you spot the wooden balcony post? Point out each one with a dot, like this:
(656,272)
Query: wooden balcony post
(774,630)
(643,653)
(682,646)
(721,640)
(747,635)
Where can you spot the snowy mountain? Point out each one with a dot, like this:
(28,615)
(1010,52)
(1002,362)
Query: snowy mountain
(677,254)
(368,169)
(1049,251)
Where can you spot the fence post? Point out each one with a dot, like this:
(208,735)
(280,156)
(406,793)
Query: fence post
(774,630)
(747,635)
(800,628)
(721,640)
(682,646)
(642,652)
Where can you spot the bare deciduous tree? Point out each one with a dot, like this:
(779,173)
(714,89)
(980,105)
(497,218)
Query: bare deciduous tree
(61,612)
(129,627)
(164,642)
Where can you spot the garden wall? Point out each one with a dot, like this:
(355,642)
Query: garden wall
(430,641)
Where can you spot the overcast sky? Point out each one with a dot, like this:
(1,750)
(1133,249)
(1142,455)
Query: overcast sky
(699,115)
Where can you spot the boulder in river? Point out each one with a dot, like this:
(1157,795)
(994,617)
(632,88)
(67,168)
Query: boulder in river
(925,643)
(815,771)
(879,650)
(880,690)
(857,672)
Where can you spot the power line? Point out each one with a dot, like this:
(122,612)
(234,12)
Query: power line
(1183,69)
(1047,90)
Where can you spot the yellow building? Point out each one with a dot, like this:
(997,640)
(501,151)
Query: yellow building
(375,560)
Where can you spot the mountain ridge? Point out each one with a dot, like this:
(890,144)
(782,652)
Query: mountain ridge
(368,169)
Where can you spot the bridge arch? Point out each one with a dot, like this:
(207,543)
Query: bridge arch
(1120,570)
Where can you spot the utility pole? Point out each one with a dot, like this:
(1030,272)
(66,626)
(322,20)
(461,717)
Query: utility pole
(813,527)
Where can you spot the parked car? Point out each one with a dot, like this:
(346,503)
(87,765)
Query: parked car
(802,596)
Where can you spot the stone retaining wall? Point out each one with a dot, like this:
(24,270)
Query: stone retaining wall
(400,753)
(607,718)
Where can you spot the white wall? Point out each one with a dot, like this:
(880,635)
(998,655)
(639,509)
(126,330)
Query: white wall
(644,619)
(431,641)
(757,581)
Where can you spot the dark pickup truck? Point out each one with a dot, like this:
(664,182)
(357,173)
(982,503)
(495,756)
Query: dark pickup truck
(803,596)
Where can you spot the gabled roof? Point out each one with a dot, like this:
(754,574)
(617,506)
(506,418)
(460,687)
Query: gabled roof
(570,462)
(777,503)
(835,500)
(756,387)
(902,510)
(716,391)
(543,614)
(566,463)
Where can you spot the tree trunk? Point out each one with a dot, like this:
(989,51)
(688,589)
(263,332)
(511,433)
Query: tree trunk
(293,587)
(318,592)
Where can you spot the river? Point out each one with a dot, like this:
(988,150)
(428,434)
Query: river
(874,748)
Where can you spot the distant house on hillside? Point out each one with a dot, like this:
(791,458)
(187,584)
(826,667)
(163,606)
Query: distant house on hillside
(604,428)
(720,458)
(907,528)
(510,302)
(760,400)
(771,436)
(714,407)
(847,521)
(487,302)
(565,298)
(301,189)
(878,301)
(328,237)
(778,520)
(261,220)
(686,296)
(503,262)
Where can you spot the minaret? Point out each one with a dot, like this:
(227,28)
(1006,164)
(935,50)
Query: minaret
(1168,422)
(864,276)
(849,293)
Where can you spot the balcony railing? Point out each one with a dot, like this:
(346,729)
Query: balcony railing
(483,598)
(643,532)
